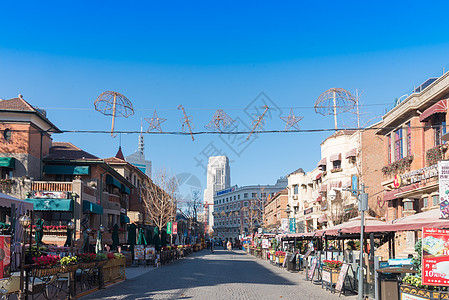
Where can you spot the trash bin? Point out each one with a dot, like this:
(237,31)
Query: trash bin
(291,262)
(389,289)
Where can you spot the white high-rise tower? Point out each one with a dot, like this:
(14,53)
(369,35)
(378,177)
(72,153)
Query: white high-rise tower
(218,178)
(138,157)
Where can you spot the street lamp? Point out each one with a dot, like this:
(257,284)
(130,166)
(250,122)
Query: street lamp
(71,227)
(362,198)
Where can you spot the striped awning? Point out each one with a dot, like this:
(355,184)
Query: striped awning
(335,157)
(351,153)
(439,107)
(322,162)
(318,176)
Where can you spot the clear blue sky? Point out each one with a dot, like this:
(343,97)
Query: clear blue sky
(216,55)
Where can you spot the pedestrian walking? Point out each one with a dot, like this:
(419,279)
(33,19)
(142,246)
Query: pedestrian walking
(229,246)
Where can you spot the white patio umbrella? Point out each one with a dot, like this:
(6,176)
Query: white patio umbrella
(18,237)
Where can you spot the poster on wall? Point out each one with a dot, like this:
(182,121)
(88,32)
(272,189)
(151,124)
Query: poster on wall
(265,244)
(435,257)
(443,185)
(5,256)
(139,252)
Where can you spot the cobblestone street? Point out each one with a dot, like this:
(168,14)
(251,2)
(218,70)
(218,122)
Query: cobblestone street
(222,275)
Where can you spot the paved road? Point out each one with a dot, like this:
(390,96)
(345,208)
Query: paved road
(222,275)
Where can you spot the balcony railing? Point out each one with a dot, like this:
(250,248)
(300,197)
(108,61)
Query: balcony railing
(51,186)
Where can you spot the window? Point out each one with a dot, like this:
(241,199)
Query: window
(409,139)
(425,202)
(254,195)
(238,205)
(295,189)
(398,144)
(439,124)
(435,200)
(245,195)
(408,205)
(245,204)
(235,197)
(7,134)
(263,195)
(238,197)
(336,164)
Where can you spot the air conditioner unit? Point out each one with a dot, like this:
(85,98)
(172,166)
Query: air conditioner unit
(295,197)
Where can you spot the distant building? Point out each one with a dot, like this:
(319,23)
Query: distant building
(138,158)
(239,210)
(218,178)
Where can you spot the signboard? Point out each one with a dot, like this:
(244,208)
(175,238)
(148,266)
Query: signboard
(354,184)
(326,276)
(292,227)
(284,223)
(139,252)
(169,228)
(405,296)
(312,268)
(50,195)
(341,277)
(308,252)
(308,211)
(397,181)
(443,173)
(149,252)
(222,192)
(265,244)
(5,256)
(420,174)
(175,227)
(435,257)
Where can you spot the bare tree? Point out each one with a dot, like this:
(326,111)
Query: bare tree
(159,200)
(253,213)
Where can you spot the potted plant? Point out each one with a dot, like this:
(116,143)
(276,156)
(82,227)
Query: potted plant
(69,264)
(86,260)
(47,265)
(280,256)
(101,259)
(331,270)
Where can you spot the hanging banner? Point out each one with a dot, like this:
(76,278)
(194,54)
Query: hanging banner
(435,257)
(169,228)
(443,176)
(292,227)
(175,227)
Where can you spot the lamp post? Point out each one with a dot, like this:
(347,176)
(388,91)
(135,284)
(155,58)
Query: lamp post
(25,221)
(362,198)
(71,226)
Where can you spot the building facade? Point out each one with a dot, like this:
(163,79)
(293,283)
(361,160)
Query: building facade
(275,218)
(239,210)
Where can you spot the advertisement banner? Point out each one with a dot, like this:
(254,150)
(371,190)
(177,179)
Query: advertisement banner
(435,257)
(292,228)
(169,228)
(443,184)
(5,256)
(149,252)
(139,252)
(175,227)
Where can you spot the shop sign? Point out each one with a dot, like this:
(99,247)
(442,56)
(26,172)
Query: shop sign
(405,296)
(222,192)
(397,181)
(443,182)
(50,195)
(420,174)
(265,244)
(292,227)
(169,228)
(284,224)
(326,276)
(435,257)
(308,211)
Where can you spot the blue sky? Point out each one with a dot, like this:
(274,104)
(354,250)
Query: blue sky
(216,55)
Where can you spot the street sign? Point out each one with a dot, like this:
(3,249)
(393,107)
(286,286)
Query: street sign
(292,225)
(354,184)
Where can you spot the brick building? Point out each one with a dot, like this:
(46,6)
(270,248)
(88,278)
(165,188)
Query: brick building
(274,211)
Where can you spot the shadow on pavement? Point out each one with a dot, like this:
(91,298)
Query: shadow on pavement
(201,269)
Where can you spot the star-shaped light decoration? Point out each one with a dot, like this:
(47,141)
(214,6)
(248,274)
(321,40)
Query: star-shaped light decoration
(155,122)
(291,120)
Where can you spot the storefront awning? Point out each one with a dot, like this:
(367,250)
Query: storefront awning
(439,107)
(92,207)
(335,157)
(351,153)
(318,176)
(6,201)
(124,219)
(322,162)
(67,170)
(51,204)
(125,189)
(390,195)
(7,162)
(113,181)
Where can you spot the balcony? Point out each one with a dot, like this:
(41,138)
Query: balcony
(51,186)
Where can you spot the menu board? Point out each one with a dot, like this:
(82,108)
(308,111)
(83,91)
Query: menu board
(139,252)
(312,268)
(149,252)
(342,277)
(5,256)
(435,257)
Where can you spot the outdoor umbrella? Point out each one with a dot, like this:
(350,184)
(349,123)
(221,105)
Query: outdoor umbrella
(39,232)
(132,236)
(163,238)
(149,236)
(141,240)
(157,240)
(115,240)
(68,241)
(99,244)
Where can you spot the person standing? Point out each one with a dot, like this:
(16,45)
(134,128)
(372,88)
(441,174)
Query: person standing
(229,246)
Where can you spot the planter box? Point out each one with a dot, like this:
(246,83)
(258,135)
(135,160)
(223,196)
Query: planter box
(411,292)
(330,275)
(114,270)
